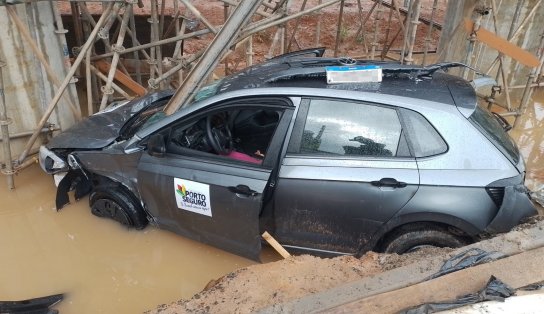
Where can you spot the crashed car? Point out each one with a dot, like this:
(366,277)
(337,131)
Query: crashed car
(384,157)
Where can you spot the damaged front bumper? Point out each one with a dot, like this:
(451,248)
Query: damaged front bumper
(50,162)
(68,176)
(516,206)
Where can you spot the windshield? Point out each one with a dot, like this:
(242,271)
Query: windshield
(155,112)
(492,129)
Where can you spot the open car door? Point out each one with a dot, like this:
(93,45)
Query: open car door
(209,198)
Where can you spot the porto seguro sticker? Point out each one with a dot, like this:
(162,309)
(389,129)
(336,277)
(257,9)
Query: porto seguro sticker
(193,196)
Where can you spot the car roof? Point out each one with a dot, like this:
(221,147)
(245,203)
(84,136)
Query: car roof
(427,83)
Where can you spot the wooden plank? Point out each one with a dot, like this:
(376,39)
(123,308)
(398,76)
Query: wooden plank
(503,45)
(121,77)
(275,245)
(516,271)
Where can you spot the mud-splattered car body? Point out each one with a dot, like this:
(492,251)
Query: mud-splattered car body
(326,168)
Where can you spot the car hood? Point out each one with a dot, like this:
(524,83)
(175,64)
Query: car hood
(102,128)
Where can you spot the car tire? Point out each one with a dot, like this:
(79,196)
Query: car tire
(117,204)
(409,238)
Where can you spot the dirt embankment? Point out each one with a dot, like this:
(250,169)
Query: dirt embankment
(355,40)
(261,286)
(256,287)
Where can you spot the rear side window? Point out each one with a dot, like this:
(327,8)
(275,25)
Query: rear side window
(491,128)
(350,129)
(422,136)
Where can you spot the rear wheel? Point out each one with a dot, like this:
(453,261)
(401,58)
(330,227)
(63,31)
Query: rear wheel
(410,238)
(117,204)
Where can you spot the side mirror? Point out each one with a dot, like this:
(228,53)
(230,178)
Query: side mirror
(156,146)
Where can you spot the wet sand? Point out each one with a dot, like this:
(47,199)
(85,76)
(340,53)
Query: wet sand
(101,266)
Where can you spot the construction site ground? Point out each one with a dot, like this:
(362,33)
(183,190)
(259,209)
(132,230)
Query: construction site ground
(351,43)
(308,283)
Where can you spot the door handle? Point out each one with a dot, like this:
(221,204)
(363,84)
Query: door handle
(242,189)
(388,182)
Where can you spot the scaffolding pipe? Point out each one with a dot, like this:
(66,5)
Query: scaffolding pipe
(135,55)
(388,28)
(413,31)
(132,35)
(107,91)
(249,51)
(501,55)
(252,29)
(60,31)
(4,122)
(471,42)
(67,79)
(295,29)
(529,88)
(224,39)
(88,82)
(361,18)
(178,50)
(198,15)
(429,32)
(318,27)
(104,78)
(182,64)
(401,29)
(406,30)
(87,15)
(153,44)
(339,29)
(377,19)
(364,20)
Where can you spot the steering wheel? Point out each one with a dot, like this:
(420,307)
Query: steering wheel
(219,136)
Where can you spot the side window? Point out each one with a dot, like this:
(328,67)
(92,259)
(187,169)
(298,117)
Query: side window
(422,136)
(351,129)
(241,134)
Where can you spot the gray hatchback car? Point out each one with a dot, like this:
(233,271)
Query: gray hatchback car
(389,164)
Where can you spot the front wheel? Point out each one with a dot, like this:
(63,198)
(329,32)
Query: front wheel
(119,205)
(410,238)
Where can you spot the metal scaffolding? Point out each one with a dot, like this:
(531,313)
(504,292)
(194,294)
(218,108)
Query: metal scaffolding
(183,43)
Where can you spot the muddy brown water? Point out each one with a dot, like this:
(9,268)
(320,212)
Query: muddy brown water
(105,268)
(99,265)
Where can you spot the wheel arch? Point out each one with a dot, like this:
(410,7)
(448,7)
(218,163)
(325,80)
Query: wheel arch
(455,224)
(103,180)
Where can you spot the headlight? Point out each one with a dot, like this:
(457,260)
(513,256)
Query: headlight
(50,162)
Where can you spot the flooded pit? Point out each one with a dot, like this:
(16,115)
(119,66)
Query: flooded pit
(99,265)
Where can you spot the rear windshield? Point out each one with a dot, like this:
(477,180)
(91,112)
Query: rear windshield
(491,128)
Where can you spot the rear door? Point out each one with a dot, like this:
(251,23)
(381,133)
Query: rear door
(209,198)
(347,171)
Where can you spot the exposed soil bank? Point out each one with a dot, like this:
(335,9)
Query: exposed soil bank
(256,287)
(260,286)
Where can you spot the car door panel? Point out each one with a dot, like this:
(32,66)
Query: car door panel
(330,204)
(347,171)
(235,190)
(233,224)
